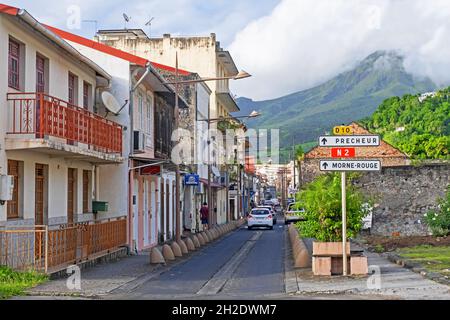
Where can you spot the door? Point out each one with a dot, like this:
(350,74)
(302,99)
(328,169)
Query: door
(146,212)
(153,213)
(39,194)
(162,203)
(71,189)
(39,205)
(135,213)
(167,194)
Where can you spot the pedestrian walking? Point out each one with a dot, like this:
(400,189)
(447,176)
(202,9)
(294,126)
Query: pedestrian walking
(204,215)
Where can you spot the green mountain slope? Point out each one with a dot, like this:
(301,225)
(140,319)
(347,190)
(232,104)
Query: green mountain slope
(421,129)
(350,96)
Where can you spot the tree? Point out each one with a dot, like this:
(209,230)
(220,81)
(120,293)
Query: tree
(321,200)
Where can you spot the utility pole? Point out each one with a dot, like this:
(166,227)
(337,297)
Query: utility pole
(344,224)
(177,166)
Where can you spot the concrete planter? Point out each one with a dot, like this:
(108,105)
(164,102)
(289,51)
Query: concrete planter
(329,248)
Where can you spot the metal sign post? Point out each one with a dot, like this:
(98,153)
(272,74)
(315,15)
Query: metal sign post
(344,223)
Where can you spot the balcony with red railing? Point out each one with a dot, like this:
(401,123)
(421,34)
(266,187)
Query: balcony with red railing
(55,122)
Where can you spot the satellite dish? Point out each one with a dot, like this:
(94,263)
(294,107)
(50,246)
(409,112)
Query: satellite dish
(110,102)
(127,18)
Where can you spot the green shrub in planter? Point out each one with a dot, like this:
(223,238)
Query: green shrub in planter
(321,200)
(439,220)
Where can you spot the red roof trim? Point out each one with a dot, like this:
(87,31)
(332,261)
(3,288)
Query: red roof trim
(170,69)
(8,9)
(98,46)
(110,50)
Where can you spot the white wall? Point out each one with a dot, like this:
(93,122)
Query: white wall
(60,63)
(114,178)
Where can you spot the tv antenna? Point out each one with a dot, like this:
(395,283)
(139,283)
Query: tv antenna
(95,22)
(149,25)
(126,18)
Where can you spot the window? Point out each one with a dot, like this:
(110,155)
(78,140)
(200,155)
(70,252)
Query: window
(14,65)
(40,73)
(73,85)
(86,184)
(86,94)
(15,169)
(141,113)
(149,122)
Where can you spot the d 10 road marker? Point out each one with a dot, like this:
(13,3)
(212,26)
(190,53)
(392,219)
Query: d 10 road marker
(350,141)
(350,165)
(342,130)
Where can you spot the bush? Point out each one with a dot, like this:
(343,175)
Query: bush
(321,200)
(439,220)
(14,283)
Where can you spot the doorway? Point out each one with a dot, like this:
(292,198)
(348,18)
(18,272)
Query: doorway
(71,194)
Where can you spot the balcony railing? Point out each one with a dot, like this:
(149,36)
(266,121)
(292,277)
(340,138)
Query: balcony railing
(43,116)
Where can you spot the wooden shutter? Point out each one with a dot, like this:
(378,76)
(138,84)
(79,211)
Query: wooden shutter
(40,74)
(86,175)
(13,205)
(71,88)
(13,64)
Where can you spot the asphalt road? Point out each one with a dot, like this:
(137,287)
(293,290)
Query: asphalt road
(244,264)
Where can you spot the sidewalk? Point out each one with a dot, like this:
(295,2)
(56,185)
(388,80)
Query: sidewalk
(395,282)
(101,279)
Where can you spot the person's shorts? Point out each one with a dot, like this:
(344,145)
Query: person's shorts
(204,220)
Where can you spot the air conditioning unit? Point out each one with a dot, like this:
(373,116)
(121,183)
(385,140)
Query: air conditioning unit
(200,188)
(6,188)
(139,141)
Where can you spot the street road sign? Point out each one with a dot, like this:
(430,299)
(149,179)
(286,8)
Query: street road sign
(191,179)
(350,165)
(349,141)
(343,152)
(342,130)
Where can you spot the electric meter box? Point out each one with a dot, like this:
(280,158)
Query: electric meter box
(6,187)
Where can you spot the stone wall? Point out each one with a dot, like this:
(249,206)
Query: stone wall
(403,195)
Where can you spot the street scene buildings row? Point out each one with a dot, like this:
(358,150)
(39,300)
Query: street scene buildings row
(86,140)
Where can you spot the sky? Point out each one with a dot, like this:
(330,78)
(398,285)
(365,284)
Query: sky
(287,45)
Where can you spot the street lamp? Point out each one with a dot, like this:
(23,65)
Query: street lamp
(241,75)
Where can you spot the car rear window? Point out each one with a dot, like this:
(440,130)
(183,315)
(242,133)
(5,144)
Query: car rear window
(260,212)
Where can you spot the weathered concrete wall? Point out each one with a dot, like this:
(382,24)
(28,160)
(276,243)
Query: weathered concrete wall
(403,195)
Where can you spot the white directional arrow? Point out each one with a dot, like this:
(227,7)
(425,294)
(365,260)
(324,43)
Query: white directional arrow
(349,141)
(350,165)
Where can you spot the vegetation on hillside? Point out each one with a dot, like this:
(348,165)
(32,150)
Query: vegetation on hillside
(420,129)
(350,96)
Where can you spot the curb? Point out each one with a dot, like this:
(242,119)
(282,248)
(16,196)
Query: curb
(416,267)
(301,256)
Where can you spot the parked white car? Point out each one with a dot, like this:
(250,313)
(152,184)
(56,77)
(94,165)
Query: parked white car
(260,217)
(292,214)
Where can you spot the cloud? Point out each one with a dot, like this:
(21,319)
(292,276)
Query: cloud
(302,43)
(178,17)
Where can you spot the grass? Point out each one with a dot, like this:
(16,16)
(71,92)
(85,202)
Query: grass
(433,259)
(13,283)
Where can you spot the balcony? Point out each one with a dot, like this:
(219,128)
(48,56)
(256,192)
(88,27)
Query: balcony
(40,121)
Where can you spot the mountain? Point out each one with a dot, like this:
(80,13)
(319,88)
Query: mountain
(350,96)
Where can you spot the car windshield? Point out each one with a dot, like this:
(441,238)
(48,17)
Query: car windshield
(260,212)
